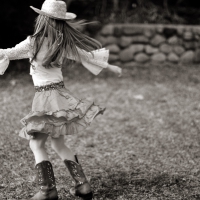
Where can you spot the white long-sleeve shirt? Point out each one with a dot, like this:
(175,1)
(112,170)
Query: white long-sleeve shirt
(43,76)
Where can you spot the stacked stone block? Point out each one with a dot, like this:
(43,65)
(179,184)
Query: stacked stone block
(139,43)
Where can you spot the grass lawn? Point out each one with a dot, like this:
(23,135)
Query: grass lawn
(145,146)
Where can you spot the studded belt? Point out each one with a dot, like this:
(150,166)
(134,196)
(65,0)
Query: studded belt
(52,86)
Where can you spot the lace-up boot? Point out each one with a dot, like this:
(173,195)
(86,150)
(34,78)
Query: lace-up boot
(82,187)
(46,182)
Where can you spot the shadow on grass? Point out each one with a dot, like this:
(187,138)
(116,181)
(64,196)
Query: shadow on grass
(131,185)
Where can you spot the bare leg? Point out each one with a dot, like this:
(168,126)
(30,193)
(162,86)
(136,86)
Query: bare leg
(58,145)
(46,179)
(37,146)
(82,187)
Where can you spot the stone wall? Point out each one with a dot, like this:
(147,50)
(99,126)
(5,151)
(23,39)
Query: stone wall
(139,43)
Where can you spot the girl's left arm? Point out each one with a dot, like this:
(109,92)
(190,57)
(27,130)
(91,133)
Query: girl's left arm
(117,70)
(20,51)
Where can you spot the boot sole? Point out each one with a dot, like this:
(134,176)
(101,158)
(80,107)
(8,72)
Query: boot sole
(88,196)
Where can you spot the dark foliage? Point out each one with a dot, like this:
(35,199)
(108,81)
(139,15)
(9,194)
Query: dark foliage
(17,19)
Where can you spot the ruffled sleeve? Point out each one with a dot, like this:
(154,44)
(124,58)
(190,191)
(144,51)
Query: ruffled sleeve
(20,51)
(4,62)
(94,61)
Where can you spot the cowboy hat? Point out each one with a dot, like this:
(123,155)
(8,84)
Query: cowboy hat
(55,9)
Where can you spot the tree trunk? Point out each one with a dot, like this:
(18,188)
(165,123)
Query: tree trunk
(124,9)
(179,2)
(165,5)
(115,5)
(140,3)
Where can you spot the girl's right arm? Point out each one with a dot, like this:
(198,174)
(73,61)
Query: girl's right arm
(20,51)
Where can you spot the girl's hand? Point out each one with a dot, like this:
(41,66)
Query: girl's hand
(117,70)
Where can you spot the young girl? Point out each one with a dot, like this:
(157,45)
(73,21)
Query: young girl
(55,111)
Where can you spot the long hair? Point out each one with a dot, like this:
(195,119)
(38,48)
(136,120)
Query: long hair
(63,39)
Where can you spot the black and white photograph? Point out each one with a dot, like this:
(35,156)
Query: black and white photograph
(100,100)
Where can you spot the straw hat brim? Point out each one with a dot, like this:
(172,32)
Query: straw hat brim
(67,16)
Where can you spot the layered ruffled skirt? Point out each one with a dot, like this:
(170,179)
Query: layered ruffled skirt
(57,112)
